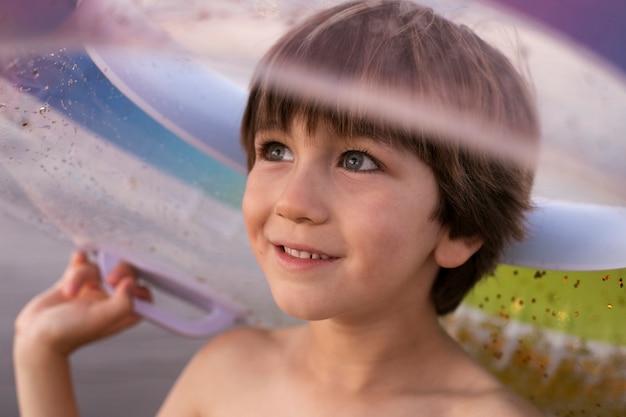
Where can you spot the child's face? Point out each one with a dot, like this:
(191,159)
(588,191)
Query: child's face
(341,226)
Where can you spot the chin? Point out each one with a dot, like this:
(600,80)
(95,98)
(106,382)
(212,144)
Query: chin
(304,308)
(302,312)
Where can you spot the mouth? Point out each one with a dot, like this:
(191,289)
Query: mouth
(302,254)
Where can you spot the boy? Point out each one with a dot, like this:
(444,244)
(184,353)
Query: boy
(366,227)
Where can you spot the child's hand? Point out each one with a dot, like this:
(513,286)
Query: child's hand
(77,311)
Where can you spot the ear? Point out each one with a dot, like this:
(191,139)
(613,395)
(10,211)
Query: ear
(450,253)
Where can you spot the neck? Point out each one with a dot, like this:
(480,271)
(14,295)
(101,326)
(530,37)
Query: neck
(365,355)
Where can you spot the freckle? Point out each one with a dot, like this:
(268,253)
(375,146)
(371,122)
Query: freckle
(537,274)
(606,278)
(515,272)
(533,301)
(577,283)
(576,314)
(565,278)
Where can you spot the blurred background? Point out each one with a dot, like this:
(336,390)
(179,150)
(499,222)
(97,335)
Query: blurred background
(126,375)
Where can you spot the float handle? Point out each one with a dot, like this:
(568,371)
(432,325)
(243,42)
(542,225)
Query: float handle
(217,319)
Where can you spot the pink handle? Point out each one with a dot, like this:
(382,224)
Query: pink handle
(220,316)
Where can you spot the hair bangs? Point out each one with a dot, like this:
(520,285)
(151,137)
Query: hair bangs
(276,107)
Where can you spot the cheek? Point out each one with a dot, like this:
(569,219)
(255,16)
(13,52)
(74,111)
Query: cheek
(403,231)
(252,206)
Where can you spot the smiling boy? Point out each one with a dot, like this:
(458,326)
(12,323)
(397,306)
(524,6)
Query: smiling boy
(369,229)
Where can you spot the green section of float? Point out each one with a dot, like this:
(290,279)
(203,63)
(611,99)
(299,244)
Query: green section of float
(591,305)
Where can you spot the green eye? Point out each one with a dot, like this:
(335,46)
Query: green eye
(358,161)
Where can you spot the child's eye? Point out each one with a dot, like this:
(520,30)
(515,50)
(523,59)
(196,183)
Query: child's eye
(274,151)
(358,161)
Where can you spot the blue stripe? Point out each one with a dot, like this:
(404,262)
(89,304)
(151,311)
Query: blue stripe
(70,83)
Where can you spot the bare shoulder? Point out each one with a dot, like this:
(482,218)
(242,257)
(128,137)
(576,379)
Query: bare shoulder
(237,341)
(243,349)
(227,367)
(479,393)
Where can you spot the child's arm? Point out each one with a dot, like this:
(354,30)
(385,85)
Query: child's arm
(44,385)
(74,312)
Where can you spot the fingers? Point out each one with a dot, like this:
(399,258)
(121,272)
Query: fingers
(120,303)
(82,273)
(117,309)
(122,270)
(77,311)
(78,257)
(126,271)
(79,273)
(117,312)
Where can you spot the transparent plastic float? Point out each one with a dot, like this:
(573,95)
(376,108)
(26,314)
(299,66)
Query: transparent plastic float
(119,131)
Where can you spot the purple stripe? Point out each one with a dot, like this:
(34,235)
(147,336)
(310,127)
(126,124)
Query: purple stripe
(597,24)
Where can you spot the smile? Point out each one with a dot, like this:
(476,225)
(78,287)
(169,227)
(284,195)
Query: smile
(301,254)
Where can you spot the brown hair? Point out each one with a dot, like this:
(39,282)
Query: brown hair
(400,50)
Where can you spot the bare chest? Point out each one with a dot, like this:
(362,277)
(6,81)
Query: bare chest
(288,402)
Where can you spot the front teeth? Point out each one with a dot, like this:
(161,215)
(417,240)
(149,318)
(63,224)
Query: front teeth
(302,254)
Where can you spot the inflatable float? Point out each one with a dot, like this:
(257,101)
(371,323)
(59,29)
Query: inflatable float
(119,131)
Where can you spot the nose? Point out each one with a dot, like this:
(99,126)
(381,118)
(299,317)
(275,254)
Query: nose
(303,198)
